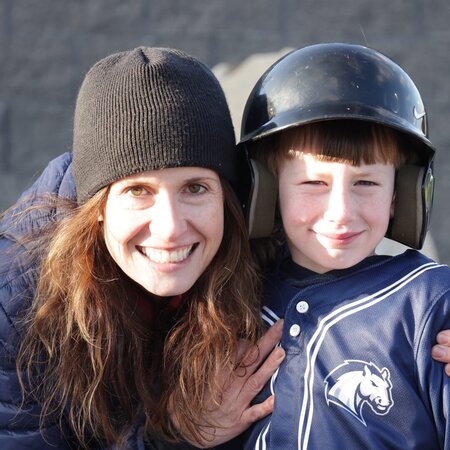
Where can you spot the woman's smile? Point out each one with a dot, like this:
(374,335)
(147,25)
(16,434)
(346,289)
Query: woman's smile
(166,256)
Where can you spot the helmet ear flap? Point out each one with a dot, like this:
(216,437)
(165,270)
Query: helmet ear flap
(262,201)
(413,200)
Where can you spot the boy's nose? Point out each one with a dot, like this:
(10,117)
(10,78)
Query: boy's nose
(339,205)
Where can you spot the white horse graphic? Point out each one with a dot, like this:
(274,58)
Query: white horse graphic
(356,383)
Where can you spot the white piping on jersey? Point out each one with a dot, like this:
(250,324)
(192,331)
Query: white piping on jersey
(270,317)
(262,438)
(273,317)
(314,344)
(271,320)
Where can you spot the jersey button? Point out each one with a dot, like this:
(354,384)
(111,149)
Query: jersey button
(302,307)
(294,331)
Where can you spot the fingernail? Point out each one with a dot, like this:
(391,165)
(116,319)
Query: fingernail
(437,352)
(278,323)
(443,338)
(280,354)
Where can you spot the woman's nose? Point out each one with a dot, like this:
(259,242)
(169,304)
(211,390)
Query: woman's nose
(167,219)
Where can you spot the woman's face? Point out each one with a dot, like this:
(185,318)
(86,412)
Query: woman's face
(163,227)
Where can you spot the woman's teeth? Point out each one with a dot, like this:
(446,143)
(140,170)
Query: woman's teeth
(166,256)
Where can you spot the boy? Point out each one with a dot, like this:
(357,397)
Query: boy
(344,131)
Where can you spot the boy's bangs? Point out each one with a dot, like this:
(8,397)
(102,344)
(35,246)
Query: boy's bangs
(353,142)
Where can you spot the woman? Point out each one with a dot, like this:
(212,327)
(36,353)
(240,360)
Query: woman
(126,274)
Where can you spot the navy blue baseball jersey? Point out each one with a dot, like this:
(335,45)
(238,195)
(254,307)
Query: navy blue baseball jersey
(358,372)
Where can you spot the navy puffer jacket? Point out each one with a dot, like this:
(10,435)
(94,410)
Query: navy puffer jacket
(19,424)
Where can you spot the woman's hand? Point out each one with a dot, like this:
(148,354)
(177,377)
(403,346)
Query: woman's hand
(235,412)
(441,351)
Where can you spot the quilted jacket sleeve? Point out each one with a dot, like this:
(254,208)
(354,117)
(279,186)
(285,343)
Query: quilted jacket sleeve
(20,421)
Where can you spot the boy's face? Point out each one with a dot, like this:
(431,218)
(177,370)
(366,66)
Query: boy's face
(334,214)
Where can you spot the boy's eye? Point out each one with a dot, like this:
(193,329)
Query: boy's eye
(366,183)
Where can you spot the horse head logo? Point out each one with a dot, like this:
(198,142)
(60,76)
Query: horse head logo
(354,384)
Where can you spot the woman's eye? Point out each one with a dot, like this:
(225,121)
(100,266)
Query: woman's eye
(136,191)
(314,182)
(195,188)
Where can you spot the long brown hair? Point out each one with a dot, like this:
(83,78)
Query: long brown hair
(90,359)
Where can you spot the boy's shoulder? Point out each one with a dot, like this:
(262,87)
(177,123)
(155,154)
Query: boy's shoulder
(415,260)
(376,270)
(411,265)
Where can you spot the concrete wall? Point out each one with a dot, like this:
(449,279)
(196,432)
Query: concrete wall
(46,46)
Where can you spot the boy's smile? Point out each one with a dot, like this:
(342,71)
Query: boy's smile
(334,214)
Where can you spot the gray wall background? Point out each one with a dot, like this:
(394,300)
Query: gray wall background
(46,46)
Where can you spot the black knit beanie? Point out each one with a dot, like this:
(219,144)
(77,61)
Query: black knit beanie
(147,109)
